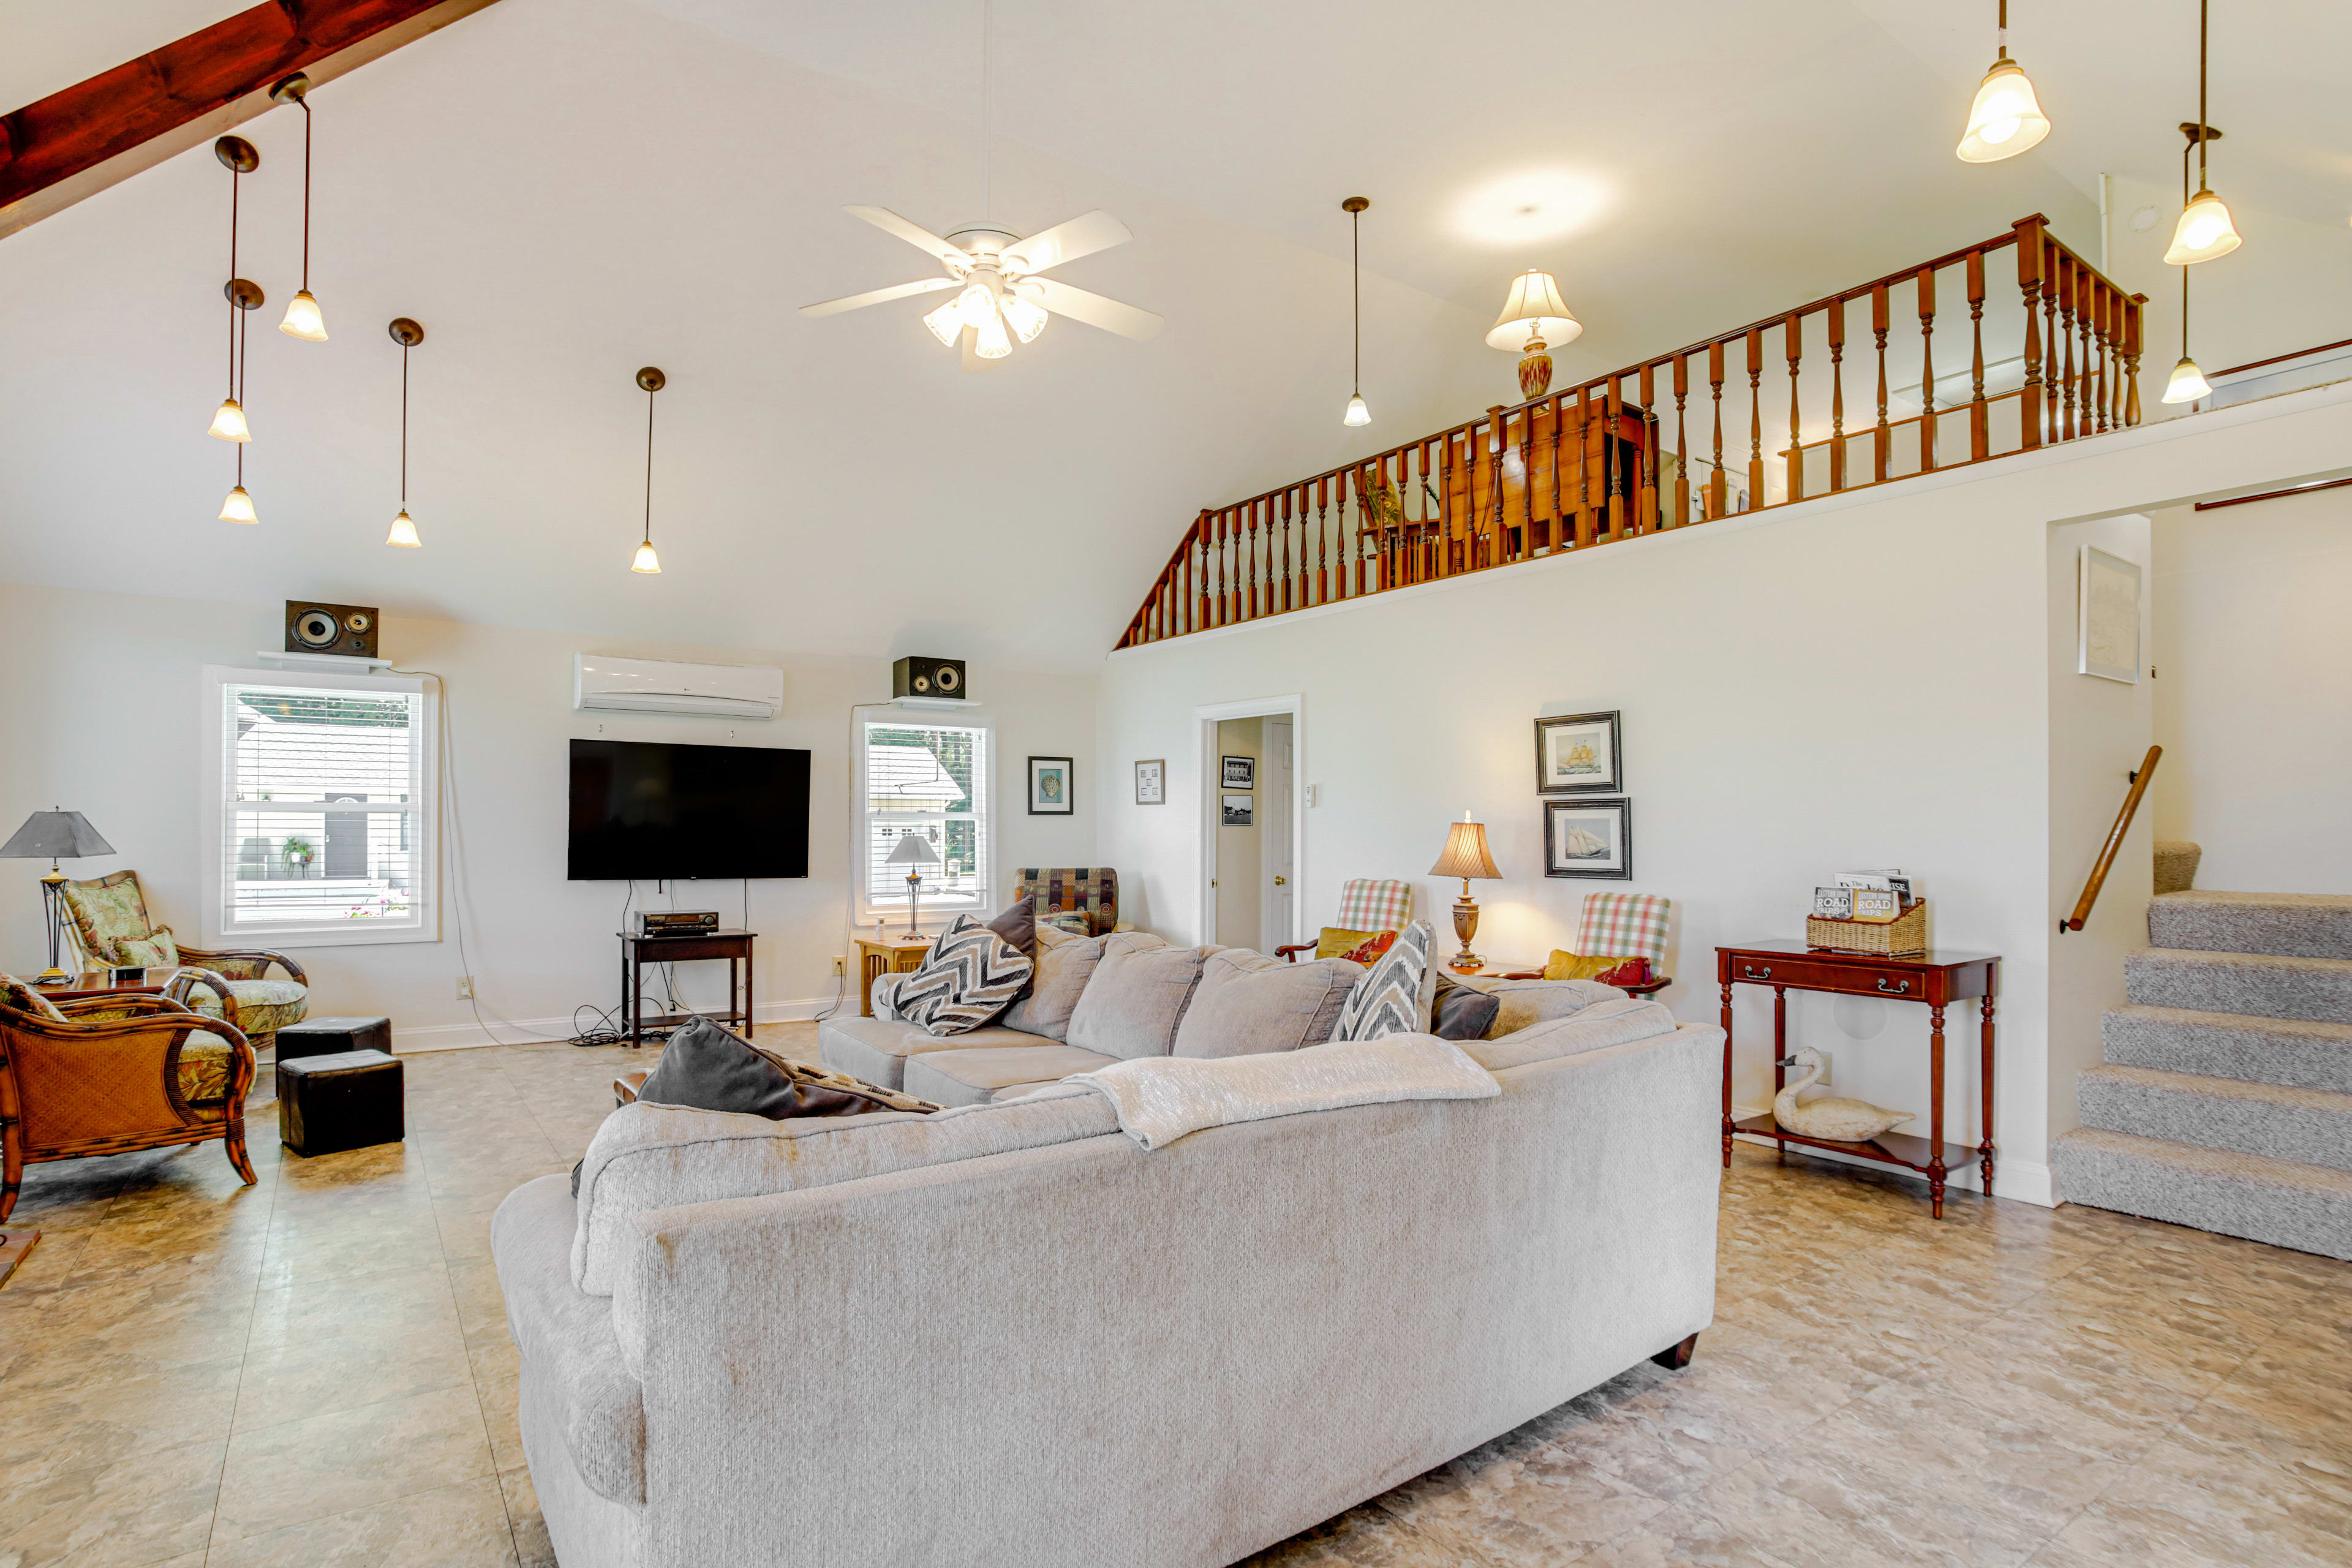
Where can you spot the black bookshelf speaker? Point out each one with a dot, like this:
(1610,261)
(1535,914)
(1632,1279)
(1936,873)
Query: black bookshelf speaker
(347,629)
(918,677)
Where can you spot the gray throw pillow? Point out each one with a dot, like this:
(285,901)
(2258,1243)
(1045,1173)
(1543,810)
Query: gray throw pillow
(1018,927)
(1248,1004)
(1065,964)
(1460,1013)
(704,1067)
(969,977)
(1136,997)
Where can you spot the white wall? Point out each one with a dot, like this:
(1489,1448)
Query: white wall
(2253,694)
(1863,680)
(104,712)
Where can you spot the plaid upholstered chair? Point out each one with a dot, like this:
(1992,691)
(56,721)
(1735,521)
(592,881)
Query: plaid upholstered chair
(1080,899)
(1367,906)
(111,925)
(106,1074)
(1621,926)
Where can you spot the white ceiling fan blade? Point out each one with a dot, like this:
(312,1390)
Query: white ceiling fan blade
(1092,308)
(1081,236)
(877,296)
(921,239)
(972,360)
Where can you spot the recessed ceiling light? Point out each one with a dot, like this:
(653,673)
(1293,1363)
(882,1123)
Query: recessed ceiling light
(1537,205)
(2143,220)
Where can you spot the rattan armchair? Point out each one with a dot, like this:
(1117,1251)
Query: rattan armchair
(110,1073)
(110,924)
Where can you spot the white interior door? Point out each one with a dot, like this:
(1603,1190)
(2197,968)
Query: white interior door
(1276,858)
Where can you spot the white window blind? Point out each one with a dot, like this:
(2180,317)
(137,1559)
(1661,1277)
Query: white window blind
(929,781)
(324,829)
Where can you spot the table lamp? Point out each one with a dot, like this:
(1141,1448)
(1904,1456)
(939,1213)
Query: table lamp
(1534,320)
(914,852)
(1466,857)
(58,834)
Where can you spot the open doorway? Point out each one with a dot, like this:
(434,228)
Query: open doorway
(1252,825)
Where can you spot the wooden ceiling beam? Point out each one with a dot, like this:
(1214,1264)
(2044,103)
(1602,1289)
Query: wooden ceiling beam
(99,133)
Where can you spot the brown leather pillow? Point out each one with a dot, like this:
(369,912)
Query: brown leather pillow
(1018,927)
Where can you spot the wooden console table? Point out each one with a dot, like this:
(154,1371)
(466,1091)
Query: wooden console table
(637,951)
(1938,979)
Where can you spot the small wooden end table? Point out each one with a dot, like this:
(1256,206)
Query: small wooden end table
(890,955)
(101,982)
(638,949)
(1938,979)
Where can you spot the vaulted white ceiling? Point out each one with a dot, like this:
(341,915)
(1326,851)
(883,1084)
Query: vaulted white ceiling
(564,190)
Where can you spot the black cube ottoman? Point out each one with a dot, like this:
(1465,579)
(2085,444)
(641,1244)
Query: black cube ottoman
(324,1037)
(349,1100)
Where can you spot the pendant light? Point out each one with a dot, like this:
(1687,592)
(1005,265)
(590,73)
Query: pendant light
(244,298)
(2205,230)
(407,333)
(2188,382)
(237,156)
(2005,118)
(302,318)
(1357,414)
(645,560)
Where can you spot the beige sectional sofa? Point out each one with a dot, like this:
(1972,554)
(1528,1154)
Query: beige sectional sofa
(1005,1333)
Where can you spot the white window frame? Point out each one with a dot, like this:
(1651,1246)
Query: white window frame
(891,906)
(220,930)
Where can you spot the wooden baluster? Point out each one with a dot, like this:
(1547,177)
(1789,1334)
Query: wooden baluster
(2062,308)
(1882,440)
(1286,602)
(1754,417)
(1927,369)
(2111,316)
(1645,518)
(1306,568)
(2029,283)
(1355,577)
(1612,461)
(1527,544)
(1979,415)
(1715,488)
(1322,541)
(1232,563)
(1556,526)
(2131,357)
(1792,335)
(1585,531)
(1498,441)
(2092,310)
(1837,395)
(1199,582)
(1681,443)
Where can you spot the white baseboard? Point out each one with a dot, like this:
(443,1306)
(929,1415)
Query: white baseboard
(2026,1181)
(547,1031)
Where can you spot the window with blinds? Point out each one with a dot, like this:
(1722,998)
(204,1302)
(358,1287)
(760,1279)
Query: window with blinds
(324,832)
(928,782)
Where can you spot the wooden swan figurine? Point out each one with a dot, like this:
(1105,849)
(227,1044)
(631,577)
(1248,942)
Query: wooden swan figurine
(1842,1121)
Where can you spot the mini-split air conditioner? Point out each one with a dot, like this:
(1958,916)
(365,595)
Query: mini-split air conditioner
(604,683)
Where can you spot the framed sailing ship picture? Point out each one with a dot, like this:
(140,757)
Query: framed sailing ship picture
(1589,838)
(1579,755)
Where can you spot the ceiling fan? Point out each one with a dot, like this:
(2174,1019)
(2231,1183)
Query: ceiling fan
(999,295)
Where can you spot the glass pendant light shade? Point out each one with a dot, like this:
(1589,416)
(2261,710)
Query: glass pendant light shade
(303,319)
(947,323)
(2204,233)
(2188,384)
(976,305)
(992,343)
(2005,119)
(228,422)
(238,507)
(1357,414)
(646,561)
(1025,317)
(404,532)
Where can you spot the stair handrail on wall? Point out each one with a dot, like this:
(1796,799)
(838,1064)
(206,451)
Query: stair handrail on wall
(1496,489)
(2139,778)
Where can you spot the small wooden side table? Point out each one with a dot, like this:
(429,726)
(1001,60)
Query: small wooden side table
(1938,979)
(639,950)
(890,955)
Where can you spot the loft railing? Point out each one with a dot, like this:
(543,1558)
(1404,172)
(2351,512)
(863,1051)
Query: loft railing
(1609,459)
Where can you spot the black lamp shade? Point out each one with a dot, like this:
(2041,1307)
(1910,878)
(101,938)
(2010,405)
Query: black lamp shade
(55,835)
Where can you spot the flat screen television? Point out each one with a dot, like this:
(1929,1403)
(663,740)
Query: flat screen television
(648,811)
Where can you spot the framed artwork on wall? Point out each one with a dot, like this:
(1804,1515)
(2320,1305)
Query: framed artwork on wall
(1589,838)
(1052,787)
(1579,755)
(1240,772)
(1239,811)
(1151,782)
(2107,624)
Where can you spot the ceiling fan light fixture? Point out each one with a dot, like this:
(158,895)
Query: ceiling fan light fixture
(2204,232)
(228,422)
(238,507)
(1025,317)
(946,324)
(403,535)
(992,341)
(2188,384)
(976,305)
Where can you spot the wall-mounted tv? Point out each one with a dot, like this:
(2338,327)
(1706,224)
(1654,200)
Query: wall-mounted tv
(647,811)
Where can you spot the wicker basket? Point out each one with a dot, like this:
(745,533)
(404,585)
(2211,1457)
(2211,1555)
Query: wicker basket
(1906,933)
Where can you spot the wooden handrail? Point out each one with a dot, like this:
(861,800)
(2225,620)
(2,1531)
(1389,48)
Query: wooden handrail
(2115,841)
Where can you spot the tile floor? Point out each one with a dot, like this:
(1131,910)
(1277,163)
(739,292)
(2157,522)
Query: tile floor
(315,1371)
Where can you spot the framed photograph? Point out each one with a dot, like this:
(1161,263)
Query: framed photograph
(1151,782)
(1240,772)
(1589,838)
(2108,621)
(1238,811)
(1577,755)
(1052,787)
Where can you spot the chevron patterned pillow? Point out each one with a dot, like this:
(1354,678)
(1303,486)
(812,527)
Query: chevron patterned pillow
(969,977)
(1395,995)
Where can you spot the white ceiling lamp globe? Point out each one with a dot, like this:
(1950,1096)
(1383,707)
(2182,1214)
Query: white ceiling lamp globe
(403,535)
(989,340)
(646,561)
(946,324)
(1025,317)
(2188,384)
(2204,233)
(228,422)
(238,507)
(1358,412)
(303,318)
(2005,119)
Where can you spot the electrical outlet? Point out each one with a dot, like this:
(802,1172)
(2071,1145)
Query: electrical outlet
(464,988)
(840,964)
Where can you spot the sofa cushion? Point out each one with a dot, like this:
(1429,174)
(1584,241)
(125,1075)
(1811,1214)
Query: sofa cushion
(1529,1001)
(1248,1004)
(1136,997)
(647,1157)
(1065,964)
(876,1049)
(263,1006)
(1462,1012)
(704,1067)
(1396,994)
(969,977)
(972,1076)
(1604,1023)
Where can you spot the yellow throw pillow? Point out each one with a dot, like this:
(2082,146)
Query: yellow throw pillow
(1337,943)
(1568,966)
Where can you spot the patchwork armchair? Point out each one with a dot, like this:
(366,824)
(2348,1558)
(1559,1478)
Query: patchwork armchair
(1369,906)
(1080,899)
(110,1073)
(111,925)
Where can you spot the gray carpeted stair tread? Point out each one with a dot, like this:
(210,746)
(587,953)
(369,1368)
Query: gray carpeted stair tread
(2260,985)
(2295,1053)
(2308,1126)
(2286,925)
(2175,865)
(2274,1201)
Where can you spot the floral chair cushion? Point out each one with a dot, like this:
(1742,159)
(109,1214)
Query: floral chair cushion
(15,993)
(107,913)
(159,950)
(203,1069)
(263,1006)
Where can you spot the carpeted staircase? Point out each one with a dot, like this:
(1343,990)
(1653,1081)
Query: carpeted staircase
(2225,1100)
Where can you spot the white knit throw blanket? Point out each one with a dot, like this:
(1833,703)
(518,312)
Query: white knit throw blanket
(1160,1099)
